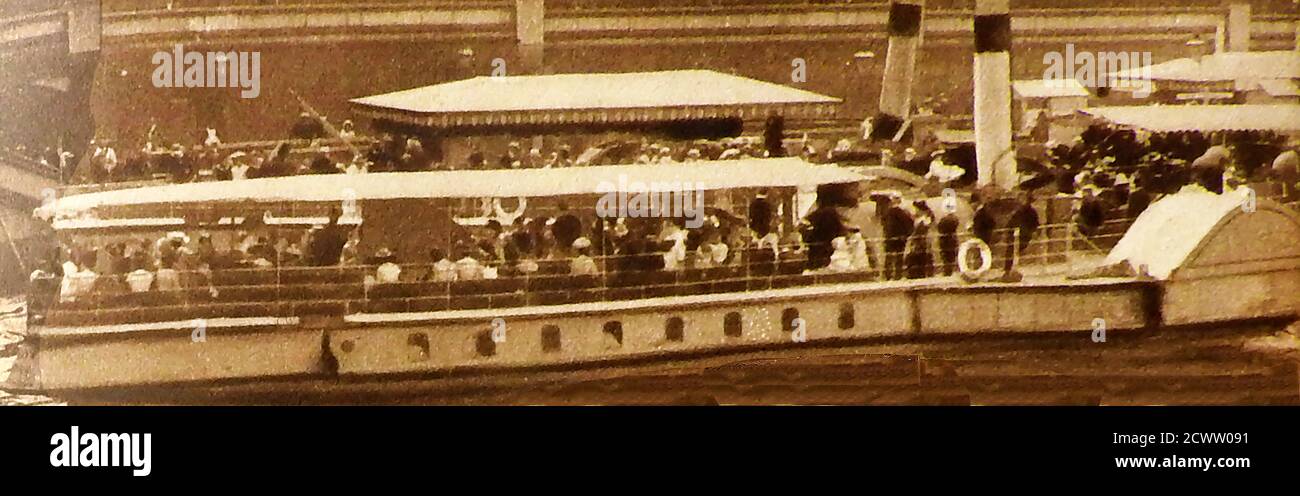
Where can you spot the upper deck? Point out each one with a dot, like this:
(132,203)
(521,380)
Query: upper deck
(350,293)
(226,284)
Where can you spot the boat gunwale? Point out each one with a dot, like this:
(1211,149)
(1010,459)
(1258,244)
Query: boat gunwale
(326,385)
(912,289)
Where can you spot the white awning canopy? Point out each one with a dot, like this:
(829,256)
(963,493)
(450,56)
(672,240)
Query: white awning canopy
(1202,231)
(1206,118)
(593,98)
(1225,66)
(1279,87)
(1049,88)
(1167,232)
(719,175)
(955,136)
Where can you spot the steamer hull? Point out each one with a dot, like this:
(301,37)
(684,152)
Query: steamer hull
(580,335)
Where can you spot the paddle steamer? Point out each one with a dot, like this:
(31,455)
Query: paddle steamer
(1200,258)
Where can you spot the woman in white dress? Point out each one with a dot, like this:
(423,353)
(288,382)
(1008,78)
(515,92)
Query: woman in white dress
(858,249)
(841,258)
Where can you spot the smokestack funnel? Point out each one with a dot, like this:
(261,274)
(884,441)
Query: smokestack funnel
(900,67)
(994,154)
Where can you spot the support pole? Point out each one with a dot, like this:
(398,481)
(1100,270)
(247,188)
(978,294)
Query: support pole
(530,31)
(1238,26)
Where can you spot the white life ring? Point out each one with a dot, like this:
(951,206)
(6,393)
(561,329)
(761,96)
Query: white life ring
(501,213)
(986,259)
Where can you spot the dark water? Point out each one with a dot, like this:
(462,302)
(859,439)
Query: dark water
(11,327)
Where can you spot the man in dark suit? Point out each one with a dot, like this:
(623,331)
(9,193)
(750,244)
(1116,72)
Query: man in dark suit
(567,227)
(947,230)
(1024,223)
(898,226)
(821,226)
(982,224)
(307,127)
(326,244)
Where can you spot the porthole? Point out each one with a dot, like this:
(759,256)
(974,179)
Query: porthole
(484,344)
(788,317)
(675,329)
(550,338)
(731,325)
(848,319)
(614,329)
(420,342)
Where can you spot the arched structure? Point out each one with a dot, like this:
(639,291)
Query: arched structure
(1220,257)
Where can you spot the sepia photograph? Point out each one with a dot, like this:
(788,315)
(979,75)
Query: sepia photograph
(688,203)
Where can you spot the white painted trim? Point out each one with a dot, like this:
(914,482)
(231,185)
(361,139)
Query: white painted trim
(715,298)
(215,323)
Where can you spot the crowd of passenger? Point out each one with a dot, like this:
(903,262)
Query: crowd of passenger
(1104,169)
(643,151)
(1108,168)
(169,263)
(313,149)
(833,238)
(209,160)
(891,241)
(1119,172)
